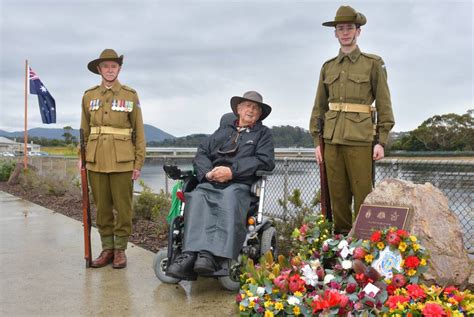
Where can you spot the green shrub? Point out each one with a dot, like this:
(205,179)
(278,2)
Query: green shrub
(151,206)
(300,212)
(6,168)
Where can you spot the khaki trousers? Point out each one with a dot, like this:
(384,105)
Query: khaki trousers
(349,172)
(113,191)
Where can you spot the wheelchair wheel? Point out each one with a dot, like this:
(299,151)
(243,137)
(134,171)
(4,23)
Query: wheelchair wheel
(232,281)
(159,266)
(269,241)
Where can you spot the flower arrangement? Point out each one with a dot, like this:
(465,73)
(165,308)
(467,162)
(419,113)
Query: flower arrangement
(342,276)
(421,300)
(405,261)
(308,239)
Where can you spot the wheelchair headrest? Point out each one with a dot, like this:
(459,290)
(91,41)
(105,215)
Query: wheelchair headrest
(227,118)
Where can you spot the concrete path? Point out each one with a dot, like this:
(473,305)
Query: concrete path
(42,273)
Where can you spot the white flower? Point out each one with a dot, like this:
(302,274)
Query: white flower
(328,278)
(315,264)
(309,276)
(346,264)
(351,250)
(292,300)
(342,244)
(260,291)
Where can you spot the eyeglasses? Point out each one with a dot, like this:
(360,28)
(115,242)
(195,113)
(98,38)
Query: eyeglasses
(234,142)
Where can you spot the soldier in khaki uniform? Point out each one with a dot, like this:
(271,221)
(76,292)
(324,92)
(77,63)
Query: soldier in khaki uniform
(113,129)
(348,85)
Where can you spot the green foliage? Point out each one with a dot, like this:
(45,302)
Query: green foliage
(192,140)
(288,136)
(151,206)
(51,184)
(447,132)
(300,212)
(6,168)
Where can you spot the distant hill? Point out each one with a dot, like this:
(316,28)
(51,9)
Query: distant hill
(151,133)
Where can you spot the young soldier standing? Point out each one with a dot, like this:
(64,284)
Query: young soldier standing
(348,85)
(111,115)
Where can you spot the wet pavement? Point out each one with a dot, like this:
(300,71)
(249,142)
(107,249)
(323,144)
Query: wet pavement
(42,273)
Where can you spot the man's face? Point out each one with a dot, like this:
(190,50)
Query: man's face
(347,33)
(109,70)
(249,112)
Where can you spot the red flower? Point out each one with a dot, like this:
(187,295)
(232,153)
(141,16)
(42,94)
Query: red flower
(433,310)
(376,236)
(392,301)
(391,289)
(415,291)
(296,284)
(238,298)
(331,298)
(449,289)
(412,262)
(359,253)
(351,288)
(304,229)
(399,280)
(402,233)
(393,238)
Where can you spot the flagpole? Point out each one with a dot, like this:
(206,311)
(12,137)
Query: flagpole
(25,135)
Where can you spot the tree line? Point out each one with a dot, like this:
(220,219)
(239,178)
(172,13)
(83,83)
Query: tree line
(447,132)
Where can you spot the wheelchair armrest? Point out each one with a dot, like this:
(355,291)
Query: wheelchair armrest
(189,184)
(261,173)
(173,172)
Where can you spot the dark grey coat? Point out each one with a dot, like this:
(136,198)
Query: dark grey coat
(215,214)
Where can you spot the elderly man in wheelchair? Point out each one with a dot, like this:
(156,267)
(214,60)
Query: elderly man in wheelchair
(226,165)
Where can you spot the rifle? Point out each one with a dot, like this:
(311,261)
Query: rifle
(86,207)
(325,199)
(373,114)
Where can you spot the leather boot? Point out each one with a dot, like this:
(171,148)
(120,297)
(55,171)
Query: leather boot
(120,259)
(105,257)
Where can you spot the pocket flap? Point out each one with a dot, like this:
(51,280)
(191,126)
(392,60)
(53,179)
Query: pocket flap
(358,78)
(93,137)
(330,79)
(122,137)
(330,114)
(357,116)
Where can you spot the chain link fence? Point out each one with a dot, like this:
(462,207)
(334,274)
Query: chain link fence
(455,178)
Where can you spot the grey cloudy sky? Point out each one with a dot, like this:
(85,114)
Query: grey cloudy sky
(187,58)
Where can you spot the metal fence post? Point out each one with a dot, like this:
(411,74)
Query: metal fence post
(285,188)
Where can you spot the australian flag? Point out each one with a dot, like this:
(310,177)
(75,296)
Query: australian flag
(47,104)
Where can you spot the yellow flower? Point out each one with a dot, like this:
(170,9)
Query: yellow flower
(388,281)
(250,280)
(298,294)
(412,238)
(369,258)
(400,306)
(380,245)
(241,308)
(271,276)
(402,263)
(457,313)
(416,246)
(423,262)
(242,295)
(278,306)
(411,272)
(267,304)
(267,297)
(251,304)
(268,313)
(296,310)
(249,293)
(275,290)
(402,246)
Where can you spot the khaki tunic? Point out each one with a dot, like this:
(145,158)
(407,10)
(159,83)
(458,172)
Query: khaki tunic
(358,78)
(108,153)
(112,157)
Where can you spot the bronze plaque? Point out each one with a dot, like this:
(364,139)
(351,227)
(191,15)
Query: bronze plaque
(371,218)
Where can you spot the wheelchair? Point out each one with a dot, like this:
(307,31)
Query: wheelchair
(261,233)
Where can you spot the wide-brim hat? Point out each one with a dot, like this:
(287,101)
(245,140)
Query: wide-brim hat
(107,55)
(347,14)
(254,97)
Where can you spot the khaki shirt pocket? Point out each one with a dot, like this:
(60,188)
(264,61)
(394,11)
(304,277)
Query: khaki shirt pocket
(358,86)
(124,148)
(91,147)
(330,119)
(333,89)
(358,127)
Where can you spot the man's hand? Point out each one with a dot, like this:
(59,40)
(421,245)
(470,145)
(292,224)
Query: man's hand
(379,152)
(319,156)
(135,174)
(220,174)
